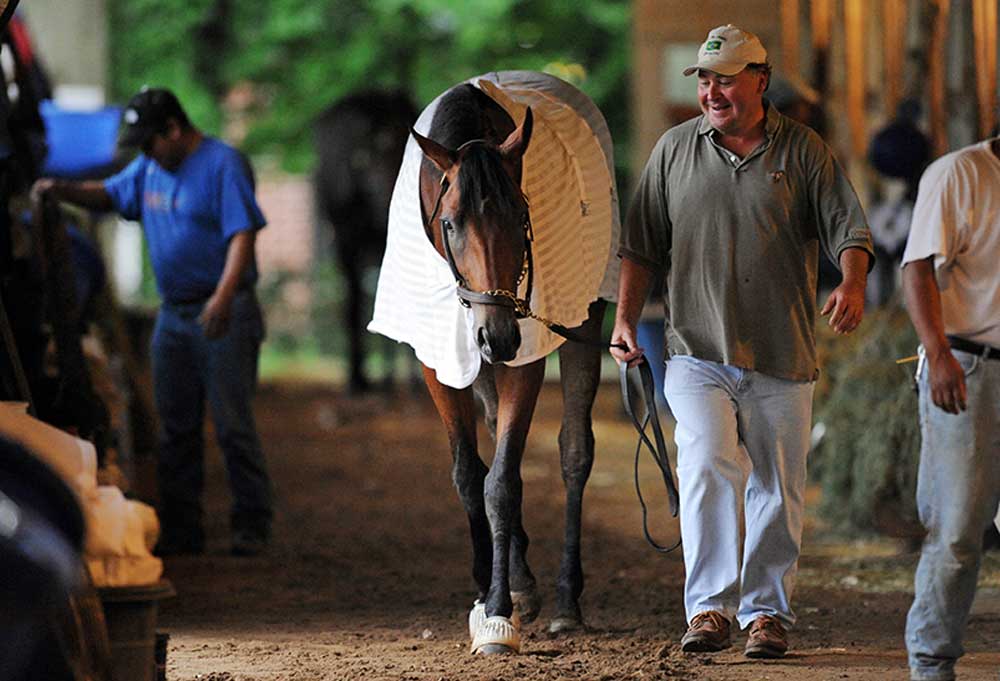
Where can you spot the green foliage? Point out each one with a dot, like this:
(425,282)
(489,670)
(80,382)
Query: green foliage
(302,55)
(867,459)
(317,329)
(326,315)
(151,45)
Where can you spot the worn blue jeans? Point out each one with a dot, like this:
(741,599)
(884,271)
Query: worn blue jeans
(650,336)
(188,370)
(958,489)
(742,440)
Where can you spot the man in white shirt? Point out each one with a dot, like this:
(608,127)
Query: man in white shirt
(951,283)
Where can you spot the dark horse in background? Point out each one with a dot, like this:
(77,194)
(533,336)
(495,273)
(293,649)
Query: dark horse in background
(359,143)
(472,206)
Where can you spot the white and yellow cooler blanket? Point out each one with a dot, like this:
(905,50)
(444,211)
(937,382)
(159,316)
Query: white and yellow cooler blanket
(120,532)
(568,178)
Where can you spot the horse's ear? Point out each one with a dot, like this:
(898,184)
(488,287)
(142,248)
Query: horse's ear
(516,144)
(441,156)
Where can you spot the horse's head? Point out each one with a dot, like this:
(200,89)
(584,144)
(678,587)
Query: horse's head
(480,224)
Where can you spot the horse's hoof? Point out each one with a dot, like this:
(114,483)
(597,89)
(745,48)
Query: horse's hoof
(478,615)
(497,634)
(494,649)
(527,603)
(563,625)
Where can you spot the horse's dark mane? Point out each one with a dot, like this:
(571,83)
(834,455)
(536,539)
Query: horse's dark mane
(461,116)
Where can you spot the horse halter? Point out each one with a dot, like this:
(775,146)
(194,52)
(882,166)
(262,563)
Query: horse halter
(498,296)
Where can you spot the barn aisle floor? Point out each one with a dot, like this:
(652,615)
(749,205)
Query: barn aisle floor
(368,576)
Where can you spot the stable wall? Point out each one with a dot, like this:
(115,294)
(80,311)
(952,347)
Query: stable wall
(71,37)
(663,31)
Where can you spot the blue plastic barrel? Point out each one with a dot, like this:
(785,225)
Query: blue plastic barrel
(78,141)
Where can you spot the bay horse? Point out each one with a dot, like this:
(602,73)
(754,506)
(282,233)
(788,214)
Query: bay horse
(477,218)
(359,144)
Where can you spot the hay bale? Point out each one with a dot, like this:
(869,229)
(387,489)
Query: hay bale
(866,461)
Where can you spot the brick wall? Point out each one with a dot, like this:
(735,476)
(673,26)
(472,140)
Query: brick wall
(285,252)
(286,244)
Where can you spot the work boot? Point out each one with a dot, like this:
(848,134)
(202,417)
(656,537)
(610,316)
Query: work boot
(767,638)
(708,632)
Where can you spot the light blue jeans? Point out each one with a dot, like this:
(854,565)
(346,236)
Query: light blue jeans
(742,440)
(958,489)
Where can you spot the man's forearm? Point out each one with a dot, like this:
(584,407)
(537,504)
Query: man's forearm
(238,258)
(88,194)
(633,287)
(854,266)
(923,302)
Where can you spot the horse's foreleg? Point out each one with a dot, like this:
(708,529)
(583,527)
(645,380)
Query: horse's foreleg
(485,388)
(523,586)
(524,591)
(580,369)
(350,266)
(517,389)
(457,411)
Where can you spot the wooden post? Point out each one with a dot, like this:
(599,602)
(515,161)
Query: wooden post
(854,39)
(790,36)
(936,74)
(76,403)
(893,52)
(984,31)
(820,19)
(15,384)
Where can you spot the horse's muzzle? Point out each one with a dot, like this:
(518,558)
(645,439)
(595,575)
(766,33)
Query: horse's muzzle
(499,342)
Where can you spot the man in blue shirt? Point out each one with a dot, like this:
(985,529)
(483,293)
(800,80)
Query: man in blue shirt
(195,198)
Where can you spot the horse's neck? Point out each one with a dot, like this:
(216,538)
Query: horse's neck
(466,113)
(496,125)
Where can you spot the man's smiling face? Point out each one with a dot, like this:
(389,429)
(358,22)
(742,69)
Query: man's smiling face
(731,103)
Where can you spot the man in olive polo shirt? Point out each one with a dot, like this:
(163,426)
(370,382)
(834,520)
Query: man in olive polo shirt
(733,207)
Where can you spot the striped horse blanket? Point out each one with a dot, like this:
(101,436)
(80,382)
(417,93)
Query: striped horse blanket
(568,179)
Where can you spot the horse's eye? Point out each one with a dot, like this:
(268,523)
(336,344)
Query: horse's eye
(446,223)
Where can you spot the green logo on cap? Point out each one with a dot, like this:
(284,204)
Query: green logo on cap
(713,45)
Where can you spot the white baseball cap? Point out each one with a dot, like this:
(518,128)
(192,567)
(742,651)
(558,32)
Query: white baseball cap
(727,50)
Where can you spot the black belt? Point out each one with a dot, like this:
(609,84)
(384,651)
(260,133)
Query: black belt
(188,301)
(984,351)
(204,299)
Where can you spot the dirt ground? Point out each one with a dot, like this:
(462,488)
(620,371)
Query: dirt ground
(369,576)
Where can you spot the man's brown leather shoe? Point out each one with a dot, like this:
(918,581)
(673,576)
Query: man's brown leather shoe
(708,632)
(767,638)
